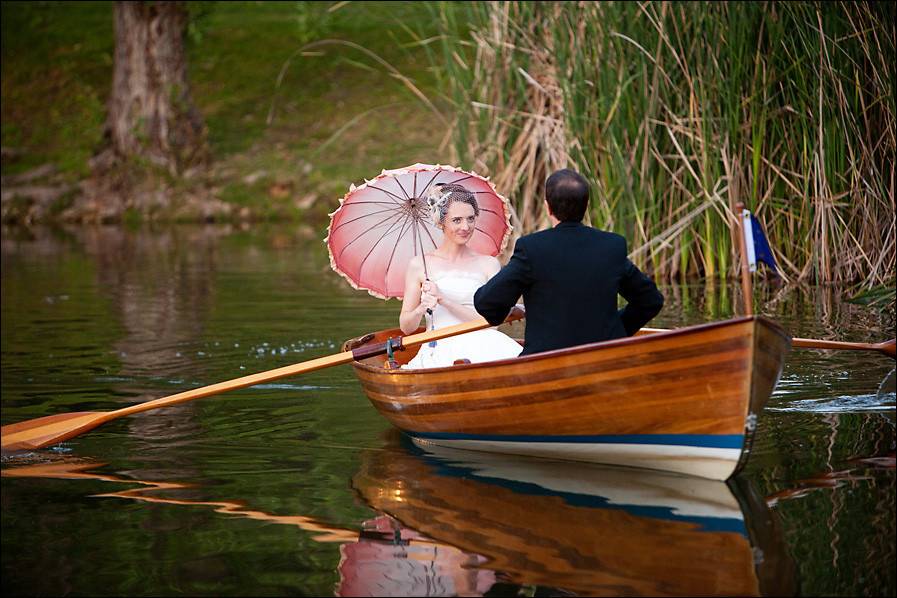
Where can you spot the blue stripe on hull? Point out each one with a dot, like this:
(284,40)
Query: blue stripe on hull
(730,441)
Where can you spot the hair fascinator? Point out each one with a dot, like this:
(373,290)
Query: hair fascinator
(437,202)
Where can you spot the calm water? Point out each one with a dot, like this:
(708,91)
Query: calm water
(301,488)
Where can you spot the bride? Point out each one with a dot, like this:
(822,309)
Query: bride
(446,282)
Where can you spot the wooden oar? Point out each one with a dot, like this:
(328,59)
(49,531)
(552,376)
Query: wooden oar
(52,429)
(886,347)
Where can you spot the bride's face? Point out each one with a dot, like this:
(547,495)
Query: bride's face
(459,223)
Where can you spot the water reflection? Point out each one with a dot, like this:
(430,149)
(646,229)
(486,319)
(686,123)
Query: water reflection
(380,559)
(809,312)
(830,478)
(64,468)
(96,318)
(160,286)
(851,475)
(462,523)
(586,529)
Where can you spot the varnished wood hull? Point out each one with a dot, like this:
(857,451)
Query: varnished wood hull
(686,400)
(593,530)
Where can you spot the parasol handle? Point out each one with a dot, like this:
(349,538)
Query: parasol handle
(423,258)
(430,311)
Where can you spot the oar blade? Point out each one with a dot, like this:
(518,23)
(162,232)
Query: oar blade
(46,431)
(888,348)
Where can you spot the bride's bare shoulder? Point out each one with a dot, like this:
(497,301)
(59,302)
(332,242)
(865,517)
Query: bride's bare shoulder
(415,266)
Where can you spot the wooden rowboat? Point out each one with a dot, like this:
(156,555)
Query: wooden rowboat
(593,530)
(685,400)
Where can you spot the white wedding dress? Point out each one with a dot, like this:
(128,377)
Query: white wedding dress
(482,345)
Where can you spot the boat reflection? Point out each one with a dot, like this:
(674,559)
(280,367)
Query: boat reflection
(586,529)
(391,560)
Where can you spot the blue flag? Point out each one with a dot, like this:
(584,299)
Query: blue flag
(755,243)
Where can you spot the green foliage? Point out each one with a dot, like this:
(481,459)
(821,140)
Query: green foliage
(57,68)
(62,203)
(132,219)
(320,119)
(312,21)
(199,13)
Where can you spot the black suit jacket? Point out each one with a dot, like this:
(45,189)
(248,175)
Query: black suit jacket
(569,277)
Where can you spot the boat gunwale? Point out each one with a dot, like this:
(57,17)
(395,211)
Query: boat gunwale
(575,349)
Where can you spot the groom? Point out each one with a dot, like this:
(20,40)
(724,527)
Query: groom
(569,277)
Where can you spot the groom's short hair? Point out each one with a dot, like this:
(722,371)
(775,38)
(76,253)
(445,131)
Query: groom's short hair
(567,193)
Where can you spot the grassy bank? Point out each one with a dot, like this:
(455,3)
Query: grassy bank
(676,111)
(287,150)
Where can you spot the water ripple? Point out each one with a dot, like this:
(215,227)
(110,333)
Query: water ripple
(840,404)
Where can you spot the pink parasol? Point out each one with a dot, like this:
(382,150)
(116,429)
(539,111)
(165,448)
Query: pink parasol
(382,224)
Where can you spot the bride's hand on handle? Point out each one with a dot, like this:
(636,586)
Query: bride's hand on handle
(431,288)
(429,295)
(428,301)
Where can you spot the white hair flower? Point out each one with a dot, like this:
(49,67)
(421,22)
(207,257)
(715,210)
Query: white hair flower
(437,202)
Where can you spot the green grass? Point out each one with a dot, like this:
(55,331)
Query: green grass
(57,68)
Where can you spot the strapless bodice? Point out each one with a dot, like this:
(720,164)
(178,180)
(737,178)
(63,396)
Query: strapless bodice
(483,345)
(457,286)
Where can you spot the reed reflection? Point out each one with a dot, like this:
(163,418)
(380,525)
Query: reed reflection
(806,311)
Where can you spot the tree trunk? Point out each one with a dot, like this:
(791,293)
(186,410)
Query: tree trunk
(151,113)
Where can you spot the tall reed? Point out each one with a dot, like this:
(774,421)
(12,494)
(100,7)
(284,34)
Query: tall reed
(675,111)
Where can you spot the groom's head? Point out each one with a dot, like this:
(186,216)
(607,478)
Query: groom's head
(567,194)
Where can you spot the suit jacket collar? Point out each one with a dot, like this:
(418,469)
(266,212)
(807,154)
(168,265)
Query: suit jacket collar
(568,224)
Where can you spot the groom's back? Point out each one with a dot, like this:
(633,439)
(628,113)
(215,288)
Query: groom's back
(569,277)
(576,271)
